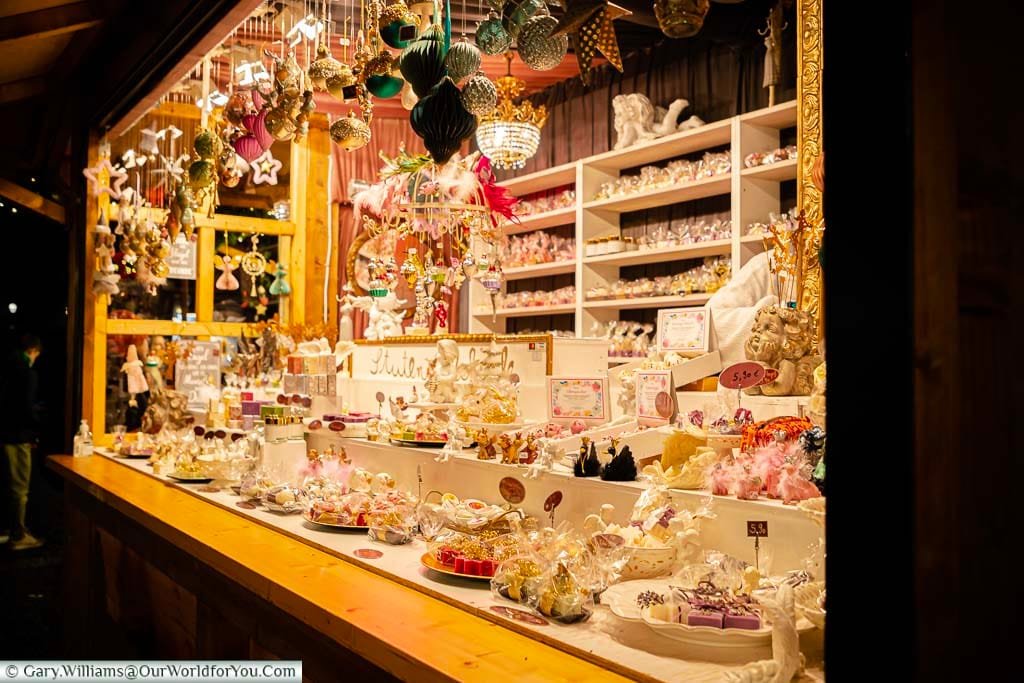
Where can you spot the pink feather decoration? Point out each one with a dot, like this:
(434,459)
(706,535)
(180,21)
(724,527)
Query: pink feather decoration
(498,199)
(793,487)
(767,462)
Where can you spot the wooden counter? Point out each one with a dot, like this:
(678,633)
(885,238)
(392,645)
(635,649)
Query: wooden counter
(154,571)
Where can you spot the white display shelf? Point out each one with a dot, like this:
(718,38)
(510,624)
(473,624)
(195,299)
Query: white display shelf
(685,192)
(779,171)
(753,195)
(527,311)
(752,239)
(549,178)
(780,116)
(651,302)
(540,221)
(620,360)
(539,270)
(677,144)
(644,256)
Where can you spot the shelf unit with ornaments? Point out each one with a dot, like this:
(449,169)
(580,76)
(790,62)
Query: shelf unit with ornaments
(753,194)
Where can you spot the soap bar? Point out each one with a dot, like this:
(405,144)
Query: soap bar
(751,622)
(702,618)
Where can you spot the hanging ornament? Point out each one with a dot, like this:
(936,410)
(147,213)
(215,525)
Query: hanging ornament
(516,13)
(149,143)
(265,168)
(463,59)
(254,264)
(469,264)
(479,95)
(442,121)
(248,147)
(441,314)
(537,48)
(280,286)
(342,85)
(379,76)
(409,98)
(491,36)
(323,67)
(681,18)
(350,132)
(422,63)
(588,23)
(398,25)
(491,280)
(226,282)
(100,175)
(206,145)
(409,271)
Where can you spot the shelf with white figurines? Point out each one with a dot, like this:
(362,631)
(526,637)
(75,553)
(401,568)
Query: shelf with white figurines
(541,221)
(527,311)
(754,194)
(779,171)
(539,270)
(672,301)
(638,257)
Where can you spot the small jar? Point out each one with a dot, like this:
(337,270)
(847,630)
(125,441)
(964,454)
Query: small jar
(614,244)
(628,244)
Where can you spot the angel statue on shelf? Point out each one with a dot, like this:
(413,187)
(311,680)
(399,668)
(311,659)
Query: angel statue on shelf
(385,315)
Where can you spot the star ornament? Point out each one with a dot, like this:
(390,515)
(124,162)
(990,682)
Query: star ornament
(100,175)
(588,23)
(265,168)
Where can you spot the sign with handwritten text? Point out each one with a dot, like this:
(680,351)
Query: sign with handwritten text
(582,398)
(182,261)
(685,330)
(742,375)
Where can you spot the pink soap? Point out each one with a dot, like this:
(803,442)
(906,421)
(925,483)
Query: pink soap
(751,622)
(700,618)
(487,567)
(472,567)
(460,565)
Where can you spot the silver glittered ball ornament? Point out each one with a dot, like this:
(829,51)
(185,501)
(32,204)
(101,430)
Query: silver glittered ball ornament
(479,96)
(537,48)
(491,36)
(462,60)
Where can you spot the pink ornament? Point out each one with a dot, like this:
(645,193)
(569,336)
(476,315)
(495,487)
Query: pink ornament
(577,426)
(248,147)
(256,124)
(553,430)
(721,480)
(748,486)
(257,99)
(793,487)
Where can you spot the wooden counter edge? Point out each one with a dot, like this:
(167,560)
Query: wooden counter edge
(304,581)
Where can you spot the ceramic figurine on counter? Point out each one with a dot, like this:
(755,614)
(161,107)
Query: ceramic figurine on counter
(510,446)
(132,368)
(486,448)
(786,661)
(635,119)
(783,338)
(530,449)
(587,463)
(442,372)
(621,467)
(548,455)
(456,441)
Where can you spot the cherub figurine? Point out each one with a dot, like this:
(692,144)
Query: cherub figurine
(456,438)
(510,446)
(132,368)
(444,368)
(783,339)
(486,449)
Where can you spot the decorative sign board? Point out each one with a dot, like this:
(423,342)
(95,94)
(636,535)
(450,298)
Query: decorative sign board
(203,363)
(578,398)
(655,398)
(182,261)
(684,330)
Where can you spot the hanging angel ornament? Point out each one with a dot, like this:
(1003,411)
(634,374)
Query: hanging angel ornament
(226,281)
(280,286)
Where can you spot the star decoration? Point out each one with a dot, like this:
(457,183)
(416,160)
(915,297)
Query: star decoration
(173,131)
(149,143)
(265,168)
(172,168)
(100,175)
(132,159)
(309,28)
(588,23)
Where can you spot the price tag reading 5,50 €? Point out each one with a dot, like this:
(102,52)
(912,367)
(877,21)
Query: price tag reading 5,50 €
(742,375)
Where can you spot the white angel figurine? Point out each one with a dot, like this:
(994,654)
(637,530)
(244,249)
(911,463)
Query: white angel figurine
(444,369)
(786,661)
(548,455)
(132,368)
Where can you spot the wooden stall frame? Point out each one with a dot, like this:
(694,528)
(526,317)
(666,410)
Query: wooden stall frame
(302,253)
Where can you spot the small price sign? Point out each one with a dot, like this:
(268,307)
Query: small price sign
(742,375)
(757,529)
(550,503)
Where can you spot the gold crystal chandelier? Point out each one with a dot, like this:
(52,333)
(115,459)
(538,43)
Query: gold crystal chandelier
(510,134)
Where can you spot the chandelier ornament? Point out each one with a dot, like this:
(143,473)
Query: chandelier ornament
(510,134)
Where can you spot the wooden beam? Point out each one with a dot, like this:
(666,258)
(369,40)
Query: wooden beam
(15,91)
(30,200)
(46,23)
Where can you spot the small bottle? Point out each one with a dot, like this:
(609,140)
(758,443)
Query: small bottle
(83,441)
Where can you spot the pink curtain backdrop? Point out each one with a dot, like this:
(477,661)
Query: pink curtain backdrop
(387,134)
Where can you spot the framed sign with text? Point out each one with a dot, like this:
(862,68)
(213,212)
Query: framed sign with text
(578,398)
(655,397)
(684,330)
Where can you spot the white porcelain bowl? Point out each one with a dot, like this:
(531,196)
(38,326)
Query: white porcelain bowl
(648,563)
